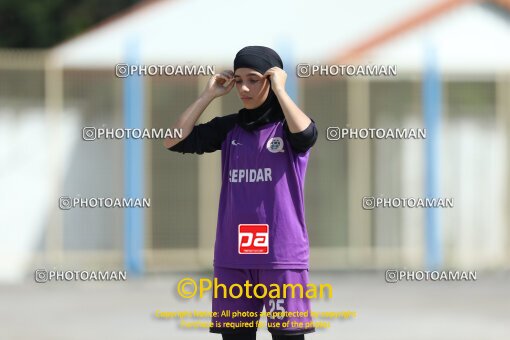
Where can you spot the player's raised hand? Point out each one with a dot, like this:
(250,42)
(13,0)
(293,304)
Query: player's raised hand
(220,84)
(277,77)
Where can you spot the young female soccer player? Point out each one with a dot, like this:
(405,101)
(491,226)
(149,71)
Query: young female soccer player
(261,235)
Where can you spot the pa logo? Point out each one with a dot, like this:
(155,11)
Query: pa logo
(275,145)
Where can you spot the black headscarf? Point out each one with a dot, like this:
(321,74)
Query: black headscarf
(261,59)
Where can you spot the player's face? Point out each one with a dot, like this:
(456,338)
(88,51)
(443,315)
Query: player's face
(252,87)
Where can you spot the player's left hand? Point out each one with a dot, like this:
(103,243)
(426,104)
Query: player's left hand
(277,77)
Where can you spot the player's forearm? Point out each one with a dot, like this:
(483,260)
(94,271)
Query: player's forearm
(296,119)
(188,118)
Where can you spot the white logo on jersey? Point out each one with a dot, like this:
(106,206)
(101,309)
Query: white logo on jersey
(250,175)
(275,145)
(235,143)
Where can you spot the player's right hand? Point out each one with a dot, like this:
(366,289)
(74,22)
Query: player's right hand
(220,84)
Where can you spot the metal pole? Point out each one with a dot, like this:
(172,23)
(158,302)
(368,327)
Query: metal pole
(133,165)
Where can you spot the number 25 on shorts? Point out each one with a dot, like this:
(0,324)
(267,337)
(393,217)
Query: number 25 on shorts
(276,306)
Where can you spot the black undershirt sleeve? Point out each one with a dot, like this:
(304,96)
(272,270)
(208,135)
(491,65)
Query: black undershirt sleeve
(206,137)
(304,140)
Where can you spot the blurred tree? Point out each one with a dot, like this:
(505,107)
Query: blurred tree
(45,23)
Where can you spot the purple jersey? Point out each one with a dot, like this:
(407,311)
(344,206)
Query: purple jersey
(262,183)
(263,177)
